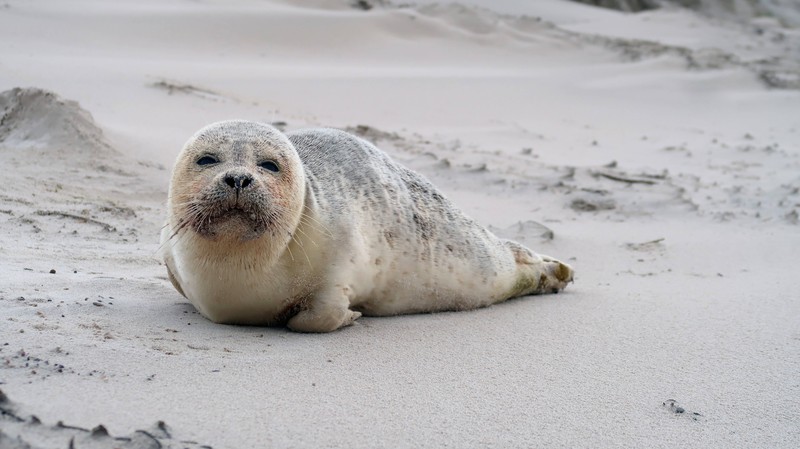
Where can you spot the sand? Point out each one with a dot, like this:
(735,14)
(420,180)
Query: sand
(657,152)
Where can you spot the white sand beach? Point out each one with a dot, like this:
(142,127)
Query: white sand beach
(657,152)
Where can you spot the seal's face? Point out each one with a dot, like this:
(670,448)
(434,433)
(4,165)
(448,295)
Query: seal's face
(238,181)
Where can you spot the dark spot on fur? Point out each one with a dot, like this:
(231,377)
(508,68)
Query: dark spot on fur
(389,236)
(423,227)
(415,187)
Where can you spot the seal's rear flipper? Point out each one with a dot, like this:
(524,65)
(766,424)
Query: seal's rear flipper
(537,274)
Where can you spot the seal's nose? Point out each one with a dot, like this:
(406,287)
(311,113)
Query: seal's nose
(238,181)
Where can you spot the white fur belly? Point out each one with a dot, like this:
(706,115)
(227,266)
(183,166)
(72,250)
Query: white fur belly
(226,297)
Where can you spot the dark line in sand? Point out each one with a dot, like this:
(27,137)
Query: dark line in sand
(53,213)
(625,180)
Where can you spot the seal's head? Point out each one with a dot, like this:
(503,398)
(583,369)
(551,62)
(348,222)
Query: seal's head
(237,181)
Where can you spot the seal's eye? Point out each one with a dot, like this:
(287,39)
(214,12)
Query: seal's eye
(269,165)
(207,160)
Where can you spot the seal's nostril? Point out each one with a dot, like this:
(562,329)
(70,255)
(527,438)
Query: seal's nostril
(238,181)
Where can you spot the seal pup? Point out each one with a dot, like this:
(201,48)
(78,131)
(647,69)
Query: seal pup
(314,228)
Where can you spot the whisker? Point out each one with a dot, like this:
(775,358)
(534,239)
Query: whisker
(290,252)
(315,220)
(301,249)
(300,230)
(271,217)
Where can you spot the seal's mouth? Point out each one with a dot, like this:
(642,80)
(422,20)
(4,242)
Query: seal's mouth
(242,221)
(236,212)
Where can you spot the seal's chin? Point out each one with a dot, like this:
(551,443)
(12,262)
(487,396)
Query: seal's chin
(234,222)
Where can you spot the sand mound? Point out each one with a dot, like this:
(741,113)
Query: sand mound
(33,117)
(28,432)
(785,12)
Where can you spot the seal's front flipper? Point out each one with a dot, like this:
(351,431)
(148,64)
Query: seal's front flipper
(325,313)
(318,321)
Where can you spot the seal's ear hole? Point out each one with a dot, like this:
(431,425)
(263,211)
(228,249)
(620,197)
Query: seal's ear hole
(269,165)
(207,160)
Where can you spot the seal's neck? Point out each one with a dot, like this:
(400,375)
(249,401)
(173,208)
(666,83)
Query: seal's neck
(256,254)
(303,250)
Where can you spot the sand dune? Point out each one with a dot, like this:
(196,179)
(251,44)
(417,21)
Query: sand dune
(656,152)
